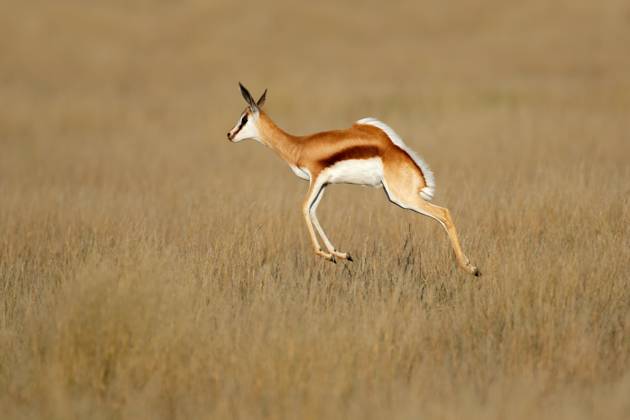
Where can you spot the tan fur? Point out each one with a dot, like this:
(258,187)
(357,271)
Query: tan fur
(317,151)
(403,179)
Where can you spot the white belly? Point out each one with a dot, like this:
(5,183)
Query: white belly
(356,171)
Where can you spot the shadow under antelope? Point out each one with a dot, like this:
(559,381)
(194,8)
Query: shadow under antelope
(368,153)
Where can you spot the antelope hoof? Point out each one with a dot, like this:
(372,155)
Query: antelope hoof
(342,255)
(475,271)
(326,255)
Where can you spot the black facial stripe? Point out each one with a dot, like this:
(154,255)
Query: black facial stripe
(241,124)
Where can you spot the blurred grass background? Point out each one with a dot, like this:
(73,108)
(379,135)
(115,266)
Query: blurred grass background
(151,269)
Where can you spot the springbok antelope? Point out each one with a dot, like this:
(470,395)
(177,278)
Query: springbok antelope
(368,153)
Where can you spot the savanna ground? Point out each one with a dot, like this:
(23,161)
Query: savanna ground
(150,269)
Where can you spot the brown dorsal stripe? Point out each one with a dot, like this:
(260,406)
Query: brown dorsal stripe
(356,152)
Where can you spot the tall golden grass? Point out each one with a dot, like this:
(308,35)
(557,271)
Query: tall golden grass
(150,269)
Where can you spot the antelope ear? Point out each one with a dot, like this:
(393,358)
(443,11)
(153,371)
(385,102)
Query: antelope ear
(261,100)
(247,96)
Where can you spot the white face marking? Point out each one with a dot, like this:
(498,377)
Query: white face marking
(246,128)
(356,171)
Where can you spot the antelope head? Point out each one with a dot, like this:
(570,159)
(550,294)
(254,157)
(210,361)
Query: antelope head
(247,125)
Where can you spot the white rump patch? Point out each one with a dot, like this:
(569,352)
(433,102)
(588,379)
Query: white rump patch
(429,190)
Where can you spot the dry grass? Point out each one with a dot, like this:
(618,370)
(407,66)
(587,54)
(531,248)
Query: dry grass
(149,269)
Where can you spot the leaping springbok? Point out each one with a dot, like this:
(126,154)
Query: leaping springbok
(368,153)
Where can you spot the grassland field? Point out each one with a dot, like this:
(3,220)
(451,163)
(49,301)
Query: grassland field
(150,269)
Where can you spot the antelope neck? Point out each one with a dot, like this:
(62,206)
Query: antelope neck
(283,143)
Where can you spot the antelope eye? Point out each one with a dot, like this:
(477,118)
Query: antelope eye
(244,120)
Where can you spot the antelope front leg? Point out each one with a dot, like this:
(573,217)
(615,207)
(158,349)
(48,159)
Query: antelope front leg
(312,196)
(318,250)
(329,246)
